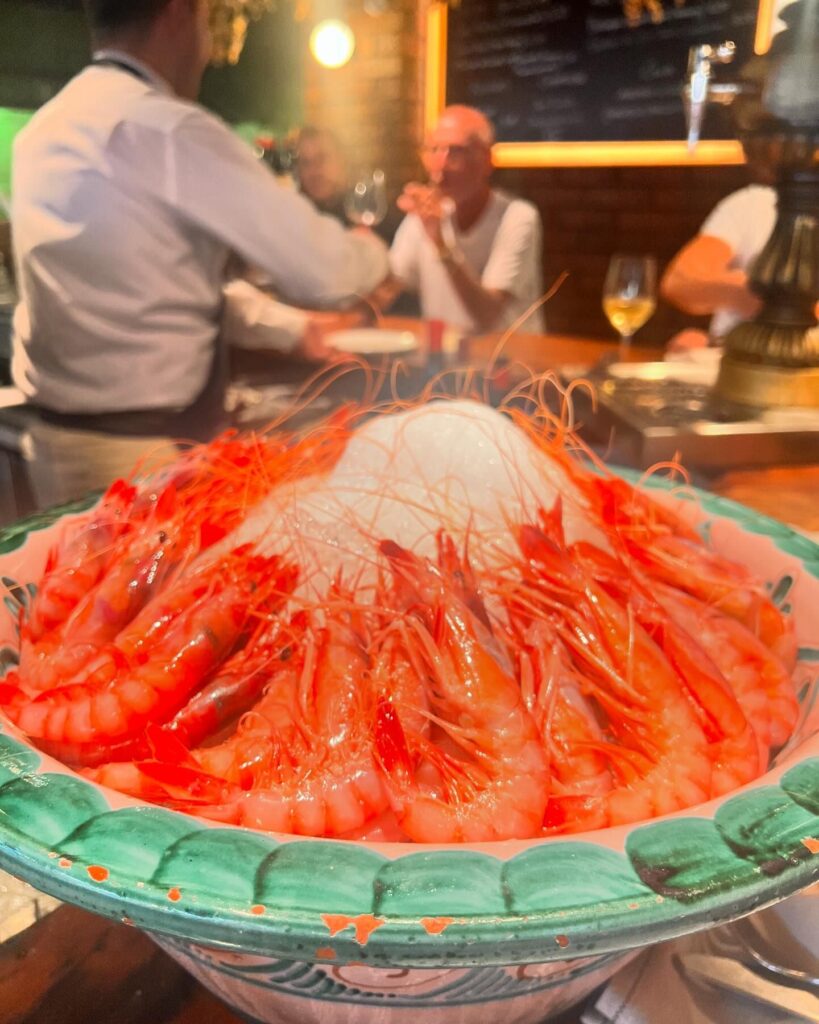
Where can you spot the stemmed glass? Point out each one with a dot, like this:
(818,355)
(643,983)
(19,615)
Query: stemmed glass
(366,202)
(629,295)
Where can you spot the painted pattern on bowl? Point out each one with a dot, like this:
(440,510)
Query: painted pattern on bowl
(269,921)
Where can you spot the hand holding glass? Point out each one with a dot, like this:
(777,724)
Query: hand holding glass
(366,202)
(629,295)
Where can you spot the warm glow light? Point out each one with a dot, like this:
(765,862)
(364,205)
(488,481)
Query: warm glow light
(332,43)
(614,154)
(765,25)
(435,91)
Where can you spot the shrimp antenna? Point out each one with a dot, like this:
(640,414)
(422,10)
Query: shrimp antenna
(518,323)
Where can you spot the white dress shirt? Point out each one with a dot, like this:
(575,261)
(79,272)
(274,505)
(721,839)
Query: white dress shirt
(503,249)
(127,203)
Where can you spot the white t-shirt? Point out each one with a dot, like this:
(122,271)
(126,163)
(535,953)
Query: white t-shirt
(744,220)
(503,249)
(127,202)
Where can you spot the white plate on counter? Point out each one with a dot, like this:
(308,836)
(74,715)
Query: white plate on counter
(366,341)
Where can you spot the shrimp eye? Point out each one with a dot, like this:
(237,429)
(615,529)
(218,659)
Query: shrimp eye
(162,536)
(286,654)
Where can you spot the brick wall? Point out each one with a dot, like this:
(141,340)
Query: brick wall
(589,213)
(374,103)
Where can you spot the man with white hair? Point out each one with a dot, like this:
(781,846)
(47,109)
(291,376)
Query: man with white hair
(473,253)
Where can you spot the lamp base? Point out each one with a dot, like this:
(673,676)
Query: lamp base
(768,386)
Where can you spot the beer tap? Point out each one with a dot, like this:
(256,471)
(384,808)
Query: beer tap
(701,90)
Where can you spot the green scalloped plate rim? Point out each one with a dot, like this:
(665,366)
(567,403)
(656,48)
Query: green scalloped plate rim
(324,900)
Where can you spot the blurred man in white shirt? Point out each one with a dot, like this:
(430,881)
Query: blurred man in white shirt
(709,275)
(472,253)
(128,202)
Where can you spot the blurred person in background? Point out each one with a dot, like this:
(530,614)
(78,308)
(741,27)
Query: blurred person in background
(322,170)
(254,316)
(709,275)
(129,203)
(323,175)
(471,252)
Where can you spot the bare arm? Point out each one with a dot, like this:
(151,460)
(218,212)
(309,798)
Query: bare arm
(700,280)
(483,304)
(211,179)
(381,298)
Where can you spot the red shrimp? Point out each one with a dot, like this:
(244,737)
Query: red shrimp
(737,752)
(722,583)
(235,688)
(269,737)
(668,549)
(661,752)
(140,571)
(163,529)
(552,691)
(384,829)
(329,784)
(78,560)
(501,791)
(457,570)
(271,721)
(149,676)
(270,733)
(398,671)
(761,682)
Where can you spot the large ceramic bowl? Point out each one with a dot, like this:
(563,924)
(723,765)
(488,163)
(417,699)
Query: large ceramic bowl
(286,929)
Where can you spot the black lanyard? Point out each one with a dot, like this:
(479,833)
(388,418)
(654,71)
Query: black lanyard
(113,62)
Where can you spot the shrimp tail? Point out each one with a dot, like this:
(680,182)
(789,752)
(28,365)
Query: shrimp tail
(165,746)
(563,813)
(185,785)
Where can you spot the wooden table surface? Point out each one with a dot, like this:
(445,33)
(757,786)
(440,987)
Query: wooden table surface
(75,968)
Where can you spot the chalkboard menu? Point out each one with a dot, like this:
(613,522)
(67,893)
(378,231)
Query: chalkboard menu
(587,70)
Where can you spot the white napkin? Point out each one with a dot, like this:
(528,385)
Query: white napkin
(651,991)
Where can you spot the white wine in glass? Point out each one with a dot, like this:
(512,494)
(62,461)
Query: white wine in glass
(629,295)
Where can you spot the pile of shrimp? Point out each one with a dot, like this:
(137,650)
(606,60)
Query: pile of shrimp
(440,624)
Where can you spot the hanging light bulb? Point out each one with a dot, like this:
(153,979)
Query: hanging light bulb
(332,43)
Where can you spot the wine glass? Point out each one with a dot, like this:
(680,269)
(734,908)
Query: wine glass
(366,202)
(629,295)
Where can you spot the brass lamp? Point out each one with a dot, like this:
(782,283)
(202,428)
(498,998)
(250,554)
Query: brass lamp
(773,360)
